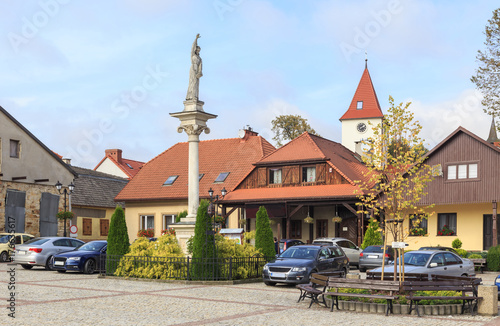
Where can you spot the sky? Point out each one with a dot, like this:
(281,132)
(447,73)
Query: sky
(86,76)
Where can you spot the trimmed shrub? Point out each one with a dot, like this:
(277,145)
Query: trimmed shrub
(264,239)
(475,256)
(180,215)
(165,250)
(204,251)
(373,236)
(456,244)
(493,259)
(118,241)
(461,252)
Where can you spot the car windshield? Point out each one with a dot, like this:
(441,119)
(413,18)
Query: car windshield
(375,249)
(5,238)
(37,241)
(91,246)
(416,259)
(328,243)
(300,253)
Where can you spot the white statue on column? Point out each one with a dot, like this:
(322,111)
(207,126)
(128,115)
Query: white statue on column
(195,72)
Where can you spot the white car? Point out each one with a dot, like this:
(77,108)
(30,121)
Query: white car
(437,262)
(351,250)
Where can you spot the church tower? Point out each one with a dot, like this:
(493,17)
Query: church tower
(364,107)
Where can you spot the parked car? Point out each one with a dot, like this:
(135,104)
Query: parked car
(284,244)
(351,250)
(497,283)
(440,248)
(371,257)
(8,242)
(86,259)
(39,251)
(438,262)
(296,264)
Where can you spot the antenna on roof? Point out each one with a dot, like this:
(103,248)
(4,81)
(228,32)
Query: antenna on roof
(366,59)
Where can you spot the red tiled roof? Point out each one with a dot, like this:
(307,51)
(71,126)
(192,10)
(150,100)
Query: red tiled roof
(232,155)
(292,193)
(308,147)
(365,93)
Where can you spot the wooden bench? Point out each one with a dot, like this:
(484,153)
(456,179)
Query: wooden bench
(317,286)
(468,287)
(480,263)
(388,287)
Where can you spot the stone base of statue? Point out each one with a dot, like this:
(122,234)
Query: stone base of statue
(183,231)
(193,105)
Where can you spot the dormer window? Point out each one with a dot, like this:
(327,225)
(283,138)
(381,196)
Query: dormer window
(170,180)
(200,176)
(130,166)
(309,174)
(274,176)
(222,177)
(359,105)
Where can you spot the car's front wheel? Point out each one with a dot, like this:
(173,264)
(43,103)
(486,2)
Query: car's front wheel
(4,256)
(270,283)
(27,266)
(89,267)
(362,269)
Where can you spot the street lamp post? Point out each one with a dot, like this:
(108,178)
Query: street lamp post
(65,191)
(211,207)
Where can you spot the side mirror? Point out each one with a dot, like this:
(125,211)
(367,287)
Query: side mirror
(390,262)
(432,265)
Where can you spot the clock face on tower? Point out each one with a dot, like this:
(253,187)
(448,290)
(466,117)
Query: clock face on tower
(361,127)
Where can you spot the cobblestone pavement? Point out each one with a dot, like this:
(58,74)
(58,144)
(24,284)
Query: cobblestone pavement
(51,298)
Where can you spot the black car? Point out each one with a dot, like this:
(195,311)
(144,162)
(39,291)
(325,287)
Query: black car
(296,264)
(284,244)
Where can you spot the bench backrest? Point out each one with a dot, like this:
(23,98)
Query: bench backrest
(319,279)
(451,285)
(363,284)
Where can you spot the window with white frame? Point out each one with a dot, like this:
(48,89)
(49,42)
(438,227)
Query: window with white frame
(309,174)
(274,176)
(168,219)
(147,222)
(462,171)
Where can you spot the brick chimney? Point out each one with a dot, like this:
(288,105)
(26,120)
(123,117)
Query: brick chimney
(116,154)
(245,133)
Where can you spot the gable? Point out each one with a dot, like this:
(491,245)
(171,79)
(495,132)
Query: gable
(36,163)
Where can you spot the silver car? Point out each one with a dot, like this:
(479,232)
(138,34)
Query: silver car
(39,251)
(438,262)
(351,250)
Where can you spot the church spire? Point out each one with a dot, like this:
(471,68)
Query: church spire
(493,138)
(365,103)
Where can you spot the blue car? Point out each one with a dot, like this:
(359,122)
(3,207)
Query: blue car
(86,258)
(497,283)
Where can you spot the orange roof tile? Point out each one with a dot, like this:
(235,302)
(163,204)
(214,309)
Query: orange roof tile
(338,191)
(310,148)
(233,155)
(366,94)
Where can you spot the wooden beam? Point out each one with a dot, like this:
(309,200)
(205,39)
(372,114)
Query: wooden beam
(41,180)
(349,207)
(296,210)
(230,212)
(18,178)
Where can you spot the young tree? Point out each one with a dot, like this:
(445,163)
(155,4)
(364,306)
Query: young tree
(118,240)
(487,78)
(396,178)
(373,237)
(264,240)
(204,264)
(288,127)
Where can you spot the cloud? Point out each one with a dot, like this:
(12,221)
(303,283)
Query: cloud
(442,118)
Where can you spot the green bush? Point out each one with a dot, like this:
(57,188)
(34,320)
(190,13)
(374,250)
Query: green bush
(402,299)
(264,240)
(493,259)
(475,256)
(229,248)
(159,268)
(456,244)
(180,215)
(373,236)
(461,252)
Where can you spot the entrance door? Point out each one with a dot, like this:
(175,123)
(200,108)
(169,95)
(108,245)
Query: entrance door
(49,205)
(15,210)
(488,231)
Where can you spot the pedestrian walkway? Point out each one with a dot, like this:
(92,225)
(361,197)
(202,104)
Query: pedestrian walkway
(51,298)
